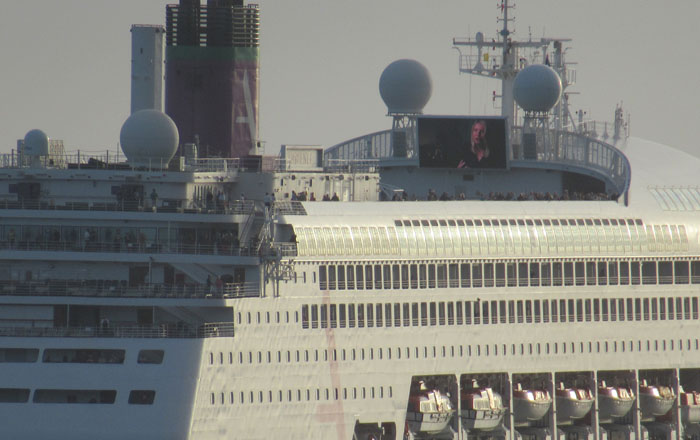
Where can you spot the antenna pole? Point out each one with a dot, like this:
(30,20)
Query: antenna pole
(508,69)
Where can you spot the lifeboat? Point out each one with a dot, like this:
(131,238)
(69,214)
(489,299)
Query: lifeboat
(530,405)
(690,406)
(482,408)
(655,400)
(572,403)
(614,401)
(429,411)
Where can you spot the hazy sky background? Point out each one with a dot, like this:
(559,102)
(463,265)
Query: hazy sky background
(66,64)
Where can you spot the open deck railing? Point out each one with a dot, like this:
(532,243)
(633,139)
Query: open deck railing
(120,289)
(563,147)
(208,330)
(87,203)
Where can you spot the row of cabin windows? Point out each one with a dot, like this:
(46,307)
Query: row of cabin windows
(78,356)
(299,395)
(266,317)
(497,312)
(492,237)
(506,274)
(460,351)
(21,395)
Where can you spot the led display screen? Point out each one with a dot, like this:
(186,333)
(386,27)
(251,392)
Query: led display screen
(462,142)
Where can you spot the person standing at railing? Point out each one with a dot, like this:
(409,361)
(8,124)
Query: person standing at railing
(154,199)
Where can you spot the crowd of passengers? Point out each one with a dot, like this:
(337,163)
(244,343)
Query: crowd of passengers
(497,195)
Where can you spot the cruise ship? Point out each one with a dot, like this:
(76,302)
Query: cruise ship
(452,277)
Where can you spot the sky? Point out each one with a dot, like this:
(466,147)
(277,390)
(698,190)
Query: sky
(66,64)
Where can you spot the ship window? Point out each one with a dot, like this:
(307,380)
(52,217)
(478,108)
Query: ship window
(537,311)
(624,273)
(324,316)
(545,310)
(397,315)
(396,276)
(406,315)
(314,316)
(545,274)
(424,314)
(305,316)
(562,311)
(465,275)
(145,397)
(74,396)
(378,276)
(333,316)
(404,276)
(534,274)
(522,274)
(520,313)
(671,313)
(331,278)
(19,355)
(84,356)
(635,272)
(360,315)
(553,309)
(351,315)
(387,276)
(488,274)
(341,277)
(579,268)
(387,315)
(665,272)
(695,272)
(612,273)
(686,306)
(370,315)
(680,270)
(368,277)
(359,272)
(649,272)
(476,275)
(413,276)
(14,395)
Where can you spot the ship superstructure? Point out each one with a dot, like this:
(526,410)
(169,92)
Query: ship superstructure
(368,291)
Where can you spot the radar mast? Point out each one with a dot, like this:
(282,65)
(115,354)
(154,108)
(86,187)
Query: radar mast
(513,57)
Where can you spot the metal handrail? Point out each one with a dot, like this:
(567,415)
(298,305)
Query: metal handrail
(115,288)
(88,203)
(111,247)
(208,330)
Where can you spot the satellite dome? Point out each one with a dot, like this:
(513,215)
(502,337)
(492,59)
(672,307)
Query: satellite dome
(405,86)
(149,138)
(36,143)
(537,88)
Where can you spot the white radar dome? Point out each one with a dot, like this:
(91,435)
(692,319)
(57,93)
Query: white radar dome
(149,138)
(405,86)
(537,88)
(36,143)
